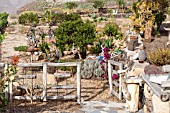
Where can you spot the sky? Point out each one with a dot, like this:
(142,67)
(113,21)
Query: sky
(11,6)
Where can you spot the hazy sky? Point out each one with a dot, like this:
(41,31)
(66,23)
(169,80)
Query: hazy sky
(11,6)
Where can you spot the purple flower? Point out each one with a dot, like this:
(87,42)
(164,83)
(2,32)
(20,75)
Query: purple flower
(102,67)
(106,56)
(101,62)
(105,75)
(115,76)
(105,49)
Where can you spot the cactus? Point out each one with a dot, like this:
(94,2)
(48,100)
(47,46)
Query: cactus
(146,15)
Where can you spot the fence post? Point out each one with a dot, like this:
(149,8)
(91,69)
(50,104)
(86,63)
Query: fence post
(110,75)
(79,82)
(120,81)
(7,89)
(44,82)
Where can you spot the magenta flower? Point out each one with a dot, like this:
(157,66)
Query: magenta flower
(101,62)
(105,75)
(105,49)
(115,76)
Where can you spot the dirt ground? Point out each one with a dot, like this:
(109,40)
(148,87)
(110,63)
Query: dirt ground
(92,89)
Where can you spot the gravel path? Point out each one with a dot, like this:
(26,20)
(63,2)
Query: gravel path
(8,44)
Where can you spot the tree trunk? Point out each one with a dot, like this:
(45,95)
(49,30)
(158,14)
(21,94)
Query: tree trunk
(79,55)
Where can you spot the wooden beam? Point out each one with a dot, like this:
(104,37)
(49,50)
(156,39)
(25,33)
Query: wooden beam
(62,87)
(44,81)
(63,64)
(7,88)
(27,76)
(120,81)
(115,83)
(134,81)
(115,93)
(29,64)
(114,62)
(110,76)
(62,75)
(27,97)
(156,89)
(62,97)
(2,64)
(79,82)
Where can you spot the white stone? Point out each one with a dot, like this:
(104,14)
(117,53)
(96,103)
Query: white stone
(159,106)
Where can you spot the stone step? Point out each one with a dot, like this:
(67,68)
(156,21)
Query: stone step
(62,75)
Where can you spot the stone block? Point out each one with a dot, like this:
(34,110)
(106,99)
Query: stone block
(159,106)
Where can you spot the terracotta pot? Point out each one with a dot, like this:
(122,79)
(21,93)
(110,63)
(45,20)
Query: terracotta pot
(30,49)
(36,49)
(133,37)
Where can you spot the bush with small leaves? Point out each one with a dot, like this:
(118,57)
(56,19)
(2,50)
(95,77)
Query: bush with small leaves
(71,5)
(21,48)
(112,29)
(3,21)
(98,4)
(28,18)
(159,57)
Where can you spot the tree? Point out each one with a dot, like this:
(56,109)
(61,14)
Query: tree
(98,4)
(77,33)
(71,5)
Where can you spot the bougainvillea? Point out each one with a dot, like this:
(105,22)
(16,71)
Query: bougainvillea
(106,57)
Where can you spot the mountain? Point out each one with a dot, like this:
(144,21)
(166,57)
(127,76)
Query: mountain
(11,6)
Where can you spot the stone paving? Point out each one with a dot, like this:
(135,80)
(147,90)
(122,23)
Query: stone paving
(103,107)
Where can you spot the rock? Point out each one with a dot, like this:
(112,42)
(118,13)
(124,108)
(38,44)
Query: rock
(67,52)
(152,69)
(159,106)
(142,55)
(17,91)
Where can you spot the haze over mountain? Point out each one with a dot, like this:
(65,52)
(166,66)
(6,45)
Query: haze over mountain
(11,6)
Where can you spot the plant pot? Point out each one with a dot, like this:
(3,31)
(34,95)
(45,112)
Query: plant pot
(30,49)
(36,49)
(132,37)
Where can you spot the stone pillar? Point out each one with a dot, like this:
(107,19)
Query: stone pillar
(148,34)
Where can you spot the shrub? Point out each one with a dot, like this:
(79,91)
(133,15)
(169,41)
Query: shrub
(72,17)
(3,21)
(61,17)
(76,32)
(159,57)
(2,36)
(96,49)
(71,69)
(21,48)
(168,11)
(128,10)
(98,4)
(71,5)
(112,29)
(28,18)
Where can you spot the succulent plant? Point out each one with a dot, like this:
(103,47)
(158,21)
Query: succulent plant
(146,14)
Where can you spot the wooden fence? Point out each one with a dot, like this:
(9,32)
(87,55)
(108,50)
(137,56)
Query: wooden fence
(111,82)
(44,96)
